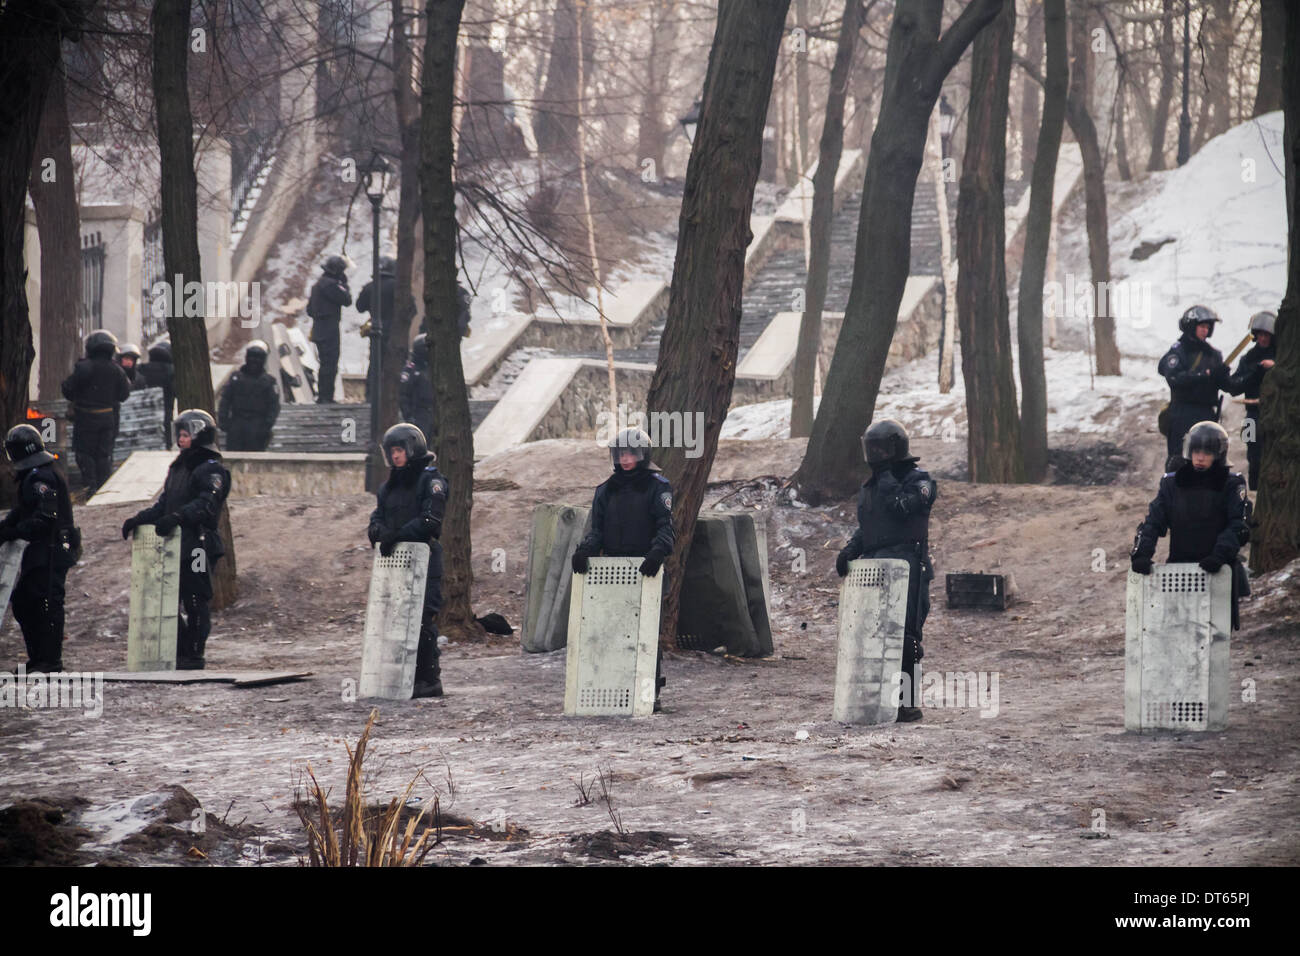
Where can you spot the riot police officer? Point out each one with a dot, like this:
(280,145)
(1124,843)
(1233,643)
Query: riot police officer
(415,393)
(1249,378)
(249,403)
(196,488)
(410,507)
(43,518)
(128,357)
(1205,508)
(894,522)
(328,296)
(96,388)
(159,372)
(631,516)
(1195,372)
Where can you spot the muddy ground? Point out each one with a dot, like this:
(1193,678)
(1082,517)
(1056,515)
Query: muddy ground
(744,766)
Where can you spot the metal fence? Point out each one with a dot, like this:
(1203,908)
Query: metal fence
(91,315)
(152,272)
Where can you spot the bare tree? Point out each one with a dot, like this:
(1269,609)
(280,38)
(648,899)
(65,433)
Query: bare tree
(1268,95)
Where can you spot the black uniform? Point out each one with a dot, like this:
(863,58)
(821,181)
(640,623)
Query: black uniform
(133,377)
(249,407)
(1196,374)
(1207,515)
(328,296)
(196,488)
(415,394)
(387,289)
(42,517)
(96,388)
(410,506)
(159,372)
(1248,379)
(894,522)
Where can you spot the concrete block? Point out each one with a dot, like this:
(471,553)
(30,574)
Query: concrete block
(715,605)
(155,597)
(11,559)
(613,640)
(873,614)
(393,612)
(1176,671)
(751,544)
(557,531)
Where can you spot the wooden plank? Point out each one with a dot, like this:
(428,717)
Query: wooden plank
(139,478)
(237,678)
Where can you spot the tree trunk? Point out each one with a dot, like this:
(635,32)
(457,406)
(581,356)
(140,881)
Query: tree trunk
(917,61)
(652,133)
(993,429)
(1277,539)
(180,238)
(30,32)
(1094,185)
(454,441)
(819,230)
(58,221)
(802,89)
(697,354)
(1272,31)
(1038,231)
(1168,74)
(1029,110)
(555,124)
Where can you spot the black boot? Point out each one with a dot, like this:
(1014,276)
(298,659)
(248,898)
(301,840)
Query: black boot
(428,671)
(911,654)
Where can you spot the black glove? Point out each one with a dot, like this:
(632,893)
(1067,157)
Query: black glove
(580,561)
(1211,563)
(842,562)
(388,543)
(375,532)
(166,525)
(654,560)
(1141,563)
(8,534)
(129,526)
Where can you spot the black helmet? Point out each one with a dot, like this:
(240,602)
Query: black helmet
(631,439)
(335,266)
(101,342)
(25,448)
(129,350)
(1263,322)
(257,349)
(199,425)
(885,442)
(420,348)
(1195,316)
(387,266)
(160,351)
(1207,436)
(409,437)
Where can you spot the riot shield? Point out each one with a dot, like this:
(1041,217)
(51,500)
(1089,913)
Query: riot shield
(393,613)
(155,596)
(1178,622)
(11,560)
(613,640)
(873,615)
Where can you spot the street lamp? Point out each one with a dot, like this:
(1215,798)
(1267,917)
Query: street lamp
(375,180)
(947,123)
(690,122)
(1185,120)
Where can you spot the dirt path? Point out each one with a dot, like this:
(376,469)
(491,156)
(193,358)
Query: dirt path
(746,764)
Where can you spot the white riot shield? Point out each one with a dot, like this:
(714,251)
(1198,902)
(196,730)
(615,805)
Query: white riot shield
(1178,623)
(155,598)
(613,640)
(873,615)
(393,613)
(11,560)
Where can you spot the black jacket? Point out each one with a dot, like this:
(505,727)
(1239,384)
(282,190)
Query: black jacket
(1205,513)
(197,486)
(415,396)
(1195,372)
(894,514)
(43,517)
(412,503)
(248,409)
(97,388)
(366,298)
(631,515)
(328,296)
(1249,377)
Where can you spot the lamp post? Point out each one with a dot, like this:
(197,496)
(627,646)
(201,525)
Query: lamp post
(690,122)
(375,181)
(1185,120)
(947,123)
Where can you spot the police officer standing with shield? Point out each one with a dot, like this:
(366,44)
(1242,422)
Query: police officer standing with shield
(631,516)
(894,522)
(1249,378)
(196,488)
(249,402)
(410,506)
(96,388)
(43,518)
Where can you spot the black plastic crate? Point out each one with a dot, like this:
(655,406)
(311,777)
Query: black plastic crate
(978,590)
